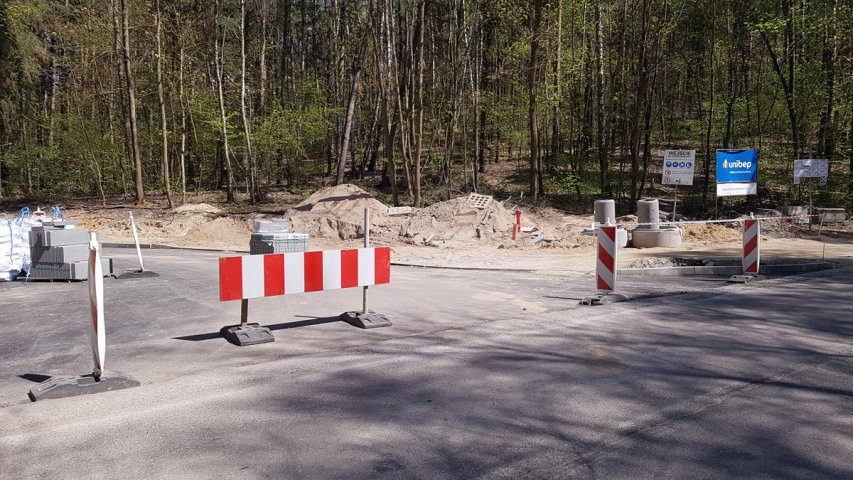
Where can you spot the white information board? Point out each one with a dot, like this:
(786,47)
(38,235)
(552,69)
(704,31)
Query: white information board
(678,167)
(811,168)
(737,189)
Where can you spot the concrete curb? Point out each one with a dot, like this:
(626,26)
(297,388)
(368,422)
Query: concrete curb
(725,270)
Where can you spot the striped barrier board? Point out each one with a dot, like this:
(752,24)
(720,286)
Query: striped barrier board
(751,246)
(255,276)
(605,264)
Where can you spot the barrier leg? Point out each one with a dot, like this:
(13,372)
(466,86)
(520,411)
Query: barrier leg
(100,380)
(142,272)
(246,333)
(366,318)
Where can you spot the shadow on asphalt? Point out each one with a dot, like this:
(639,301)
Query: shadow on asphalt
(277,326)
(34,377)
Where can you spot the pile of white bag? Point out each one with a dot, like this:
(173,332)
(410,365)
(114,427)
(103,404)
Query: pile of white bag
(15,243)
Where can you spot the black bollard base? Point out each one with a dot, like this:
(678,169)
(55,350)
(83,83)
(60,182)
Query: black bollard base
(60,387)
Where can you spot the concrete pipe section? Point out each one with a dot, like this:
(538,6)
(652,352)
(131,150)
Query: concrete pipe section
(604,211)
(652,234)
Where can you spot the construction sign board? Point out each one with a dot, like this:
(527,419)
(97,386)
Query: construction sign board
(811,168)
(737,173)
(678,166)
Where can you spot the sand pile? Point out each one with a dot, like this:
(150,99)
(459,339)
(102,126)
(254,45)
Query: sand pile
(197,208)
(455,223)
(186,229)
(338,212)
(711,232)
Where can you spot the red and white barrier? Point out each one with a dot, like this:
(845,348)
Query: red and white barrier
(605,264)
(97,333)
(751,246)
(254,276)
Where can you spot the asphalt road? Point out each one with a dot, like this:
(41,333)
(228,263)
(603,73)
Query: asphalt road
(483,374)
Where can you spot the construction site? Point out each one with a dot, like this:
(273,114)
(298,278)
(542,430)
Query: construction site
(558,306)
(426,239)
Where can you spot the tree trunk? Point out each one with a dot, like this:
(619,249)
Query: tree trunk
(221,97)
(167,181)
(830,54)
(348,120)
(556,135)
(707,166)
(531,85)
(131,105)
(248,158)
(601,137)
(418,128)
(639,102)
(182,102)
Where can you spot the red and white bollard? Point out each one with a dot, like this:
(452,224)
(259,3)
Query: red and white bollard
(751,246)
(751,256)
(605,259)
(605,266)
(99,380)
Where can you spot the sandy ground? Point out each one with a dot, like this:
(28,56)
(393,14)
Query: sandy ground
(455,234)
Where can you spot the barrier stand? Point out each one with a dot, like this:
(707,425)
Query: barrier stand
(751,257)
(366,319)
(99,380)
(142,272)
(605,267)
(246,333)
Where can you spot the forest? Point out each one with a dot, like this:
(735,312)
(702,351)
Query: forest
(421,100)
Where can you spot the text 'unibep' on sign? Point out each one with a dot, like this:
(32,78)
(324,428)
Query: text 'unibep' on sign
(678,166)
(737,166)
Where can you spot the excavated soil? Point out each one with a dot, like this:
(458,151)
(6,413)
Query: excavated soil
(449,232)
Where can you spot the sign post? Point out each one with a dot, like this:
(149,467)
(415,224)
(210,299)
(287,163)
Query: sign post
(678,167)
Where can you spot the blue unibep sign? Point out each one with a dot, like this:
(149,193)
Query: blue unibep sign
(735,166)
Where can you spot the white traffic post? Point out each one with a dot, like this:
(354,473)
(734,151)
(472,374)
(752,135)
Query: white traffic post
(366,245)
(97,335)
(751,245)
(605,263)
(136,241)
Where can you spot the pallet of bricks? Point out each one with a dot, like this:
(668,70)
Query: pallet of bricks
(272,236)
(60,251)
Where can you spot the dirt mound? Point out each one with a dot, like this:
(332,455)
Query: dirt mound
(197,208)
(185,230)
(710,232)
(338,212)
(455,223)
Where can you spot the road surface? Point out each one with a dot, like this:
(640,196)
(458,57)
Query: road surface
(482,375)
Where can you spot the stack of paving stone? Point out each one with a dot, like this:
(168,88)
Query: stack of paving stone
(61,252)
